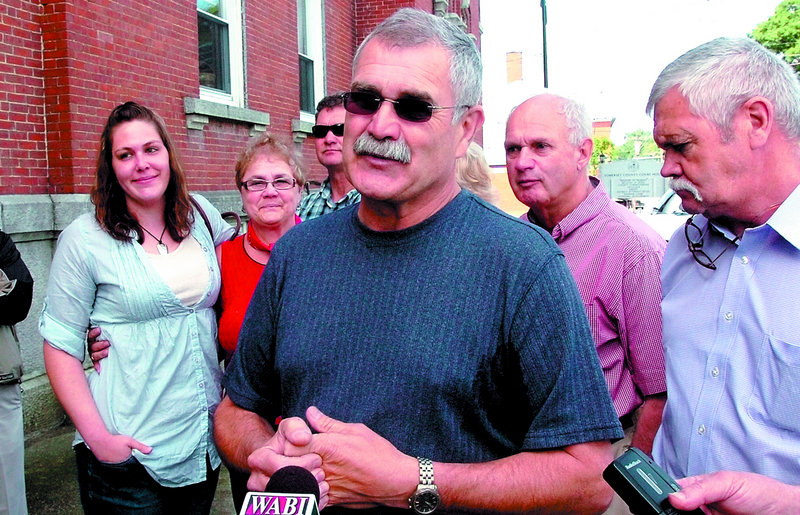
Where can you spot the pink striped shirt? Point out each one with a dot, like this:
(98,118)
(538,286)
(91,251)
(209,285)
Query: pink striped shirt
(616,260)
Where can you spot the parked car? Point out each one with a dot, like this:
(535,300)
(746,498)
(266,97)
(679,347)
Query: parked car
(667,216)
(633,204)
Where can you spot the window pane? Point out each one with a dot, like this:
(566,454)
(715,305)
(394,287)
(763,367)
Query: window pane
(302,27)
(209,6)
(213,53)
(306,84)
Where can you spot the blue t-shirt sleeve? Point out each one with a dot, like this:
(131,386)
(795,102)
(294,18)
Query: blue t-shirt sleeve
(559,363)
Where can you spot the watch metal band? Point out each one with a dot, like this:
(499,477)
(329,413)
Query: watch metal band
(425,471)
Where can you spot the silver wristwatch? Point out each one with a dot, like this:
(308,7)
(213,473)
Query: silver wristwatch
(426,498)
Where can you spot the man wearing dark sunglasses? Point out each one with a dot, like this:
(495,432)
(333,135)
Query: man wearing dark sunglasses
(448,340)
(727,115)
(335,192)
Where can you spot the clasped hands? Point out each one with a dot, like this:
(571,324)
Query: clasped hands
(353,465)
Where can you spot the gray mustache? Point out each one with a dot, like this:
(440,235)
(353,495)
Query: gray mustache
(396,150)
(683,184)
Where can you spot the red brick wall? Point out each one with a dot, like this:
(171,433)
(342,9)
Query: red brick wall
(65,64)
(369,13)
(272,61)
(340,45)
(97,55)
(23,163)
(340,42)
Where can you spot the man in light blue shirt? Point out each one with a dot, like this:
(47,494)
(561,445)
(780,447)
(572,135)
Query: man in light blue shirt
(727,115)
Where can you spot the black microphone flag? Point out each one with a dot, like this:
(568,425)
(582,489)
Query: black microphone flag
(290,491)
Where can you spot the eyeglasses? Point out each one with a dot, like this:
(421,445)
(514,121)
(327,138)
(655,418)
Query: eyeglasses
(320,131)
(411,109)
(694,239)
(281,183)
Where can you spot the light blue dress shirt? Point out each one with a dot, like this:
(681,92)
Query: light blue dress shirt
(732,347)
(161,381)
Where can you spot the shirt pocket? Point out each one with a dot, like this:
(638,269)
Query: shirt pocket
(775,400)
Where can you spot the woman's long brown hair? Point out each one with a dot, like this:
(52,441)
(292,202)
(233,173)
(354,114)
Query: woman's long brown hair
(108,197)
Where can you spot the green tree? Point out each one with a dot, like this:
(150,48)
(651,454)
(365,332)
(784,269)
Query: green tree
(781,32)
(602,146)
(641,139)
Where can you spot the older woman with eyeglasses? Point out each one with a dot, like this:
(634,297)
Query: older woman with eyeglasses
(270,178)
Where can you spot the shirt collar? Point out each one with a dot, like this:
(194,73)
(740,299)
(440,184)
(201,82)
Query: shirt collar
(587,210)
(325,192)
(784,219)
(325,188)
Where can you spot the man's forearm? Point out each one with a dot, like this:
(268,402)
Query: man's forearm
(568,480)
(238,432)
(647,422)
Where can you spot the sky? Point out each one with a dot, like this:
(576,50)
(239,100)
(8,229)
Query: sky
(606,54)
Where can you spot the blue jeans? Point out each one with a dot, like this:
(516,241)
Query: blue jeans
(122,488)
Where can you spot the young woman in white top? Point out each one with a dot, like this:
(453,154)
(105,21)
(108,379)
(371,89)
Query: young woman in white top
(143,268)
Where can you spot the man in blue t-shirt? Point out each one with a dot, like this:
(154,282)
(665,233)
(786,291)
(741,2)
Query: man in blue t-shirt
(444,358)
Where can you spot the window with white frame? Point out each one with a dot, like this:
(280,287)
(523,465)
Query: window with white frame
(219,31)
(310,37)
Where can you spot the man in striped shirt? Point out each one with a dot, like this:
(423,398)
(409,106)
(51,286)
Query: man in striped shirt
(614,256)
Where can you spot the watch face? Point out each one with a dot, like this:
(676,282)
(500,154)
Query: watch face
(426,501)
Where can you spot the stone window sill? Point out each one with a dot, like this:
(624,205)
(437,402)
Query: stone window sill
(199,112)
(301,129)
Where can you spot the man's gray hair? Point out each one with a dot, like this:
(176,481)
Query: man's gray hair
(408,28)
(579,125)
(718,77)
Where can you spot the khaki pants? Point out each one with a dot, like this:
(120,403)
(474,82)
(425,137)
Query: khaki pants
(618,506)
(12,462)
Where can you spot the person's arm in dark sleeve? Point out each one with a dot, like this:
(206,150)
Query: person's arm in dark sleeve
(15,305)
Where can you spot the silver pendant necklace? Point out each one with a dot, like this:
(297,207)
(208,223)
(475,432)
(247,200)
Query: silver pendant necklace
(161,247)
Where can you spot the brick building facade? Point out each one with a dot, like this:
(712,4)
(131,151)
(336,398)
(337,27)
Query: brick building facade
(64,64)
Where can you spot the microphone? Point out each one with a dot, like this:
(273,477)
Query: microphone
(293,480)
(291,490)
(642,484)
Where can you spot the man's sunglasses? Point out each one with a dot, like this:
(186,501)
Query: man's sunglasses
(408,108)
(320,131)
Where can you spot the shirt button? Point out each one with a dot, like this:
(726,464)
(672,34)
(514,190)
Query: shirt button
(729,316)
(745,260)
(714,372)
(701,430)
